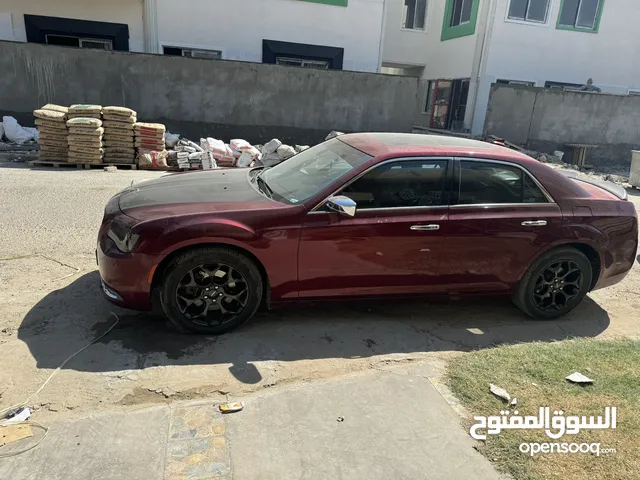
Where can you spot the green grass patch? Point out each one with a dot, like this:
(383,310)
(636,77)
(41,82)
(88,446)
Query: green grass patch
(535,374)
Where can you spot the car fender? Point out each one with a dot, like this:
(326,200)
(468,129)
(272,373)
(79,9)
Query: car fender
(595,239)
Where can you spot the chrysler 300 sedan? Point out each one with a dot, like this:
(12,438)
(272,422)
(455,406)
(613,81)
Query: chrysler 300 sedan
(364,215)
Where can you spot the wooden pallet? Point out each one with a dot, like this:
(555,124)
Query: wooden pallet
(86,166)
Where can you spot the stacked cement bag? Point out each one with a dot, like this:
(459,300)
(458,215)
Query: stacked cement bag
(85,140)
(52,131)
(119,145)
(149,136)
(85,111)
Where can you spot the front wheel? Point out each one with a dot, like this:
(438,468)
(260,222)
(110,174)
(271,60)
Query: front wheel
(555,284)
(211,290)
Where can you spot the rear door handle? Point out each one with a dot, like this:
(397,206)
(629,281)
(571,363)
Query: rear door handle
(423,228)
(534,223)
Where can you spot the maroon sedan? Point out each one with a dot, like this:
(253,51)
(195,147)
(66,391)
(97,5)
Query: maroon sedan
(364,215)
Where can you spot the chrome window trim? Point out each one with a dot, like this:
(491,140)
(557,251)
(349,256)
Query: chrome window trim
(509,164)
(372,167)
(427,207)
(497,205)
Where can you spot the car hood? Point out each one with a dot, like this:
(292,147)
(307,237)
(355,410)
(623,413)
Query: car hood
(192,192)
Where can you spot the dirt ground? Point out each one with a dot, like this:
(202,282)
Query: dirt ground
(51,306)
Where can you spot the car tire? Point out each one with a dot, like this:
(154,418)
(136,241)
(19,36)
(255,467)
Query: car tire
(183,266)
(544,285)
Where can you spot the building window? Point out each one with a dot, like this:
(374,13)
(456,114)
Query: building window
(69,32)
(459,18)
(415,14)
(192,52)
(302,62)
(580,15)
(502,81)
(562,85)
(337,3)
(461,13)
(528,10)
(302,55)
(71,41)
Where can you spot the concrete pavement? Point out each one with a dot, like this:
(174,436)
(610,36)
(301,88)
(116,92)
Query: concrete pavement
(395,425)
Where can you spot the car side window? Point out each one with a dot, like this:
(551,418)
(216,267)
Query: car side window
(405,183)
(490,183)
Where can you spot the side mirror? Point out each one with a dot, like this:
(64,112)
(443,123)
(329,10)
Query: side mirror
(343,205)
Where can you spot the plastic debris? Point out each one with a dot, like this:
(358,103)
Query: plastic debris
(340,419)
(231,407)
(110,169)
(500,392)
(514,401)
(171,139)
(16,133)
(21,415)
(577,377)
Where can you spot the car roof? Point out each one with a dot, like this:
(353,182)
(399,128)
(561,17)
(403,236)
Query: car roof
(411,144)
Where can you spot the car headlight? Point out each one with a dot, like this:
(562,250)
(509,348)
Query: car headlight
(123,236)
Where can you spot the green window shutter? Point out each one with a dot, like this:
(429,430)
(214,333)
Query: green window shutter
(464,29)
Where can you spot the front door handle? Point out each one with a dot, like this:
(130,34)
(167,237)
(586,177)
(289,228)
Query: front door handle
(423,228)
(534,223)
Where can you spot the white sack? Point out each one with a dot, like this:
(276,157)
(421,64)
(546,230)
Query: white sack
(15,133)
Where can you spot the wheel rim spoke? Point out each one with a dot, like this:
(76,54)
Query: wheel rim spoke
(558,285)
(212,294)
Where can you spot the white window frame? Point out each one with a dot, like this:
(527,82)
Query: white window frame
(97,40)
(426,18)
(190,46)
(453,10)
(580,27)
(304,63)
(533,23)
(528,83)
(81,39)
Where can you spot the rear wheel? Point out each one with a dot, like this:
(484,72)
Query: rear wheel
(555,284)
(211,290)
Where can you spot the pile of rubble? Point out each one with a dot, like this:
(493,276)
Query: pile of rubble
(214,153)
(556,162)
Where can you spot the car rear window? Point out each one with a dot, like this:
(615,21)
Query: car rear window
(496,183)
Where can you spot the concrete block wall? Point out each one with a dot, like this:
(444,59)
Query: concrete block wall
(197,97)
(548,119)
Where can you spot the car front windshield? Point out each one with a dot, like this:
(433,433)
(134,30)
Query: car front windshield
(307,173)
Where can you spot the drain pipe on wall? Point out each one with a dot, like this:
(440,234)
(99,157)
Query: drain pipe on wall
(383,31)
(480,57)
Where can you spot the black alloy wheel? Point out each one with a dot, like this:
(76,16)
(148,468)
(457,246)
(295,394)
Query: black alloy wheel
(212,294)
(558,285)
(210,290)
(555,283)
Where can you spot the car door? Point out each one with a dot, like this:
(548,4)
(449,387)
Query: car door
(391,246)
(500,218)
